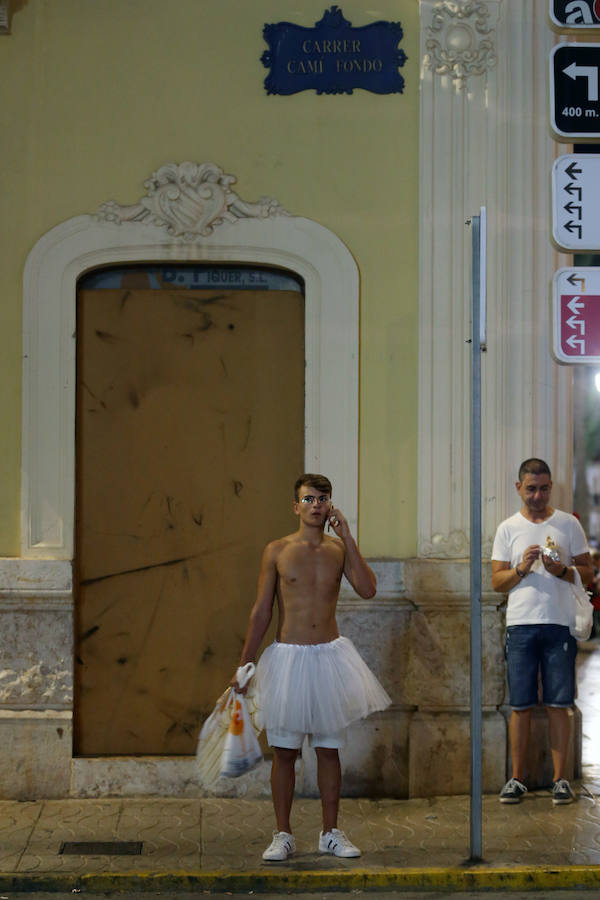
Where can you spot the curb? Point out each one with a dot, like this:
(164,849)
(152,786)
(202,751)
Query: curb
(478,877)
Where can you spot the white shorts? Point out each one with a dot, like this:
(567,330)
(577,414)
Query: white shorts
(293,740)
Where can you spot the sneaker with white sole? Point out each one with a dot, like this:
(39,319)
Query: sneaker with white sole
(512,791)
(282,846)
(562,792)
(336,842)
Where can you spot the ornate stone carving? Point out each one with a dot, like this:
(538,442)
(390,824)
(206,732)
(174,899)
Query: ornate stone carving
(38,684)
(190,200)
(460,39)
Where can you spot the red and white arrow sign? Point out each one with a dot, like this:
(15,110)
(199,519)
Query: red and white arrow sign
(574,322)
(576,315)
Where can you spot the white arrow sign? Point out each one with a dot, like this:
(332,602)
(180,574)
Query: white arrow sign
(574,322)
(590,72)
(574,104)
(574,343)
(576,201)
(575,305)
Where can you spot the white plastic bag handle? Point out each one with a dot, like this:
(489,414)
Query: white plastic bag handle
(244,674)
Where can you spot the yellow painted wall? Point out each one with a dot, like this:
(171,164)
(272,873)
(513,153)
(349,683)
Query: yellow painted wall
(94,96)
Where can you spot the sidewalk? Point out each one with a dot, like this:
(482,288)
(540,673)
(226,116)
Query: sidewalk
(216,844)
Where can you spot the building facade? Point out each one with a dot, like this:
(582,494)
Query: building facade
(141,138)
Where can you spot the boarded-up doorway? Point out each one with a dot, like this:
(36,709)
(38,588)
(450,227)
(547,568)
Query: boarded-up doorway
(190,423)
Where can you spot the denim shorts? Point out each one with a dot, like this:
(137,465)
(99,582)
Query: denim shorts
(548,649)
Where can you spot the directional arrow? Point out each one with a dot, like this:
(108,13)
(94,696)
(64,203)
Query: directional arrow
(574,322)
(572,207)
(574,305)
(572,279)
(574,341)
(572,189)
(573,226)
(590,72)
(572,170)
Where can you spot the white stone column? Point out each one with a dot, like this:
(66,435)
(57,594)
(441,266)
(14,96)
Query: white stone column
(485,141)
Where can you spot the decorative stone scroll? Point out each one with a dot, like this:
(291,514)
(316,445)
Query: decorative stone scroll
(190,200)
(460,40)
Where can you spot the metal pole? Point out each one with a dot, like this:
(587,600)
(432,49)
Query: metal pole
(477,341)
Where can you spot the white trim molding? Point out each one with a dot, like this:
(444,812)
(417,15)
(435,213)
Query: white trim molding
(189,214)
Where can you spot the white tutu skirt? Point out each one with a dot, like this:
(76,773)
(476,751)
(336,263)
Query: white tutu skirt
(316,688)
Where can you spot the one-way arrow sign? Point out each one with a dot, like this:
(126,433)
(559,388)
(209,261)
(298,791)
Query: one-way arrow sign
(576,202)
(574,90)
(576,315)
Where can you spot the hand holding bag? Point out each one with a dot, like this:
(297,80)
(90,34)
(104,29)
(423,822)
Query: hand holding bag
(227,714)
(583,611)
(241,751)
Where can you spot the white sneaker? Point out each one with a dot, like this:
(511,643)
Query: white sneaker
(282,846)
(336,842)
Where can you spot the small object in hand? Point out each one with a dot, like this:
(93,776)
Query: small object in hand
(550,551)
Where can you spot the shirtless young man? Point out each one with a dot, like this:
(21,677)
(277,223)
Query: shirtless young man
(310,680)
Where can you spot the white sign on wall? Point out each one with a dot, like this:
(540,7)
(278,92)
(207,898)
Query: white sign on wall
(576,202)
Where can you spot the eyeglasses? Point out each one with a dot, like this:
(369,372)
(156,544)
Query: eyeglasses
(311,500)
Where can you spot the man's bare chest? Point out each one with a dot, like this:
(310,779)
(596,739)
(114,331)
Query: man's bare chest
(309,566)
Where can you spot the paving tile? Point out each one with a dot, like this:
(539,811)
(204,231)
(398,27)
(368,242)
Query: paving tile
(169,828)
(234,831)
(17,821)
(69,820)
(191,834)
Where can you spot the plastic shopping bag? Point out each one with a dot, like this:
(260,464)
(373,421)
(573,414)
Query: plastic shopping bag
(215,731)
(241,751)
(583,611)
(212,739)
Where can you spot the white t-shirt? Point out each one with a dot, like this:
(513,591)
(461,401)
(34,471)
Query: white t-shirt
(540,598)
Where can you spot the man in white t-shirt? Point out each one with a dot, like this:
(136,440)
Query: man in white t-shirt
(539,610)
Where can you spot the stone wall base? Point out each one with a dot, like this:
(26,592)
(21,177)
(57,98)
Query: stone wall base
(160,776)
(440,753)
(397,753)
(36,752)
(413,635)
(374,760)
(374,764)
(539,770)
